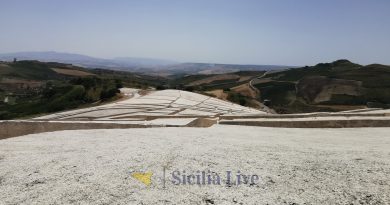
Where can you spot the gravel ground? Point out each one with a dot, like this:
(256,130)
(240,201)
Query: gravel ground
(294,166)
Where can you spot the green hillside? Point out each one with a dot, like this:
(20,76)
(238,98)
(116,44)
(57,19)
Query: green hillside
(31,87)
(337,86)
(328,87)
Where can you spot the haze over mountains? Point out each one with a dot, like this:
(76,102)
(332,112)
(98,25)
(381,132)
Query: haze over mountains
(156,66)
(86,61)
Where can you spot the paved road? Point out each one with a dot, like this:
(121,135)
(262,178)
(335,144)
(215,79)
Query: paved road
(251,82)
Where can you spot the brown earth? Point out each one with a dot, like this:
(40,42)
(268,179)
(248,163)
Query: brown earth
(218,94)
(71,72)
(262,80)
(13,84)
(4,69)
(245,78)
(343,107)
(318,89)
(217,71)
(214,78)
(245,90)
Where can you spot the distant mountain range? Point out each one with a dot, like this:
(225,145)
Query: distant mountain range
(86,61)
(142,65)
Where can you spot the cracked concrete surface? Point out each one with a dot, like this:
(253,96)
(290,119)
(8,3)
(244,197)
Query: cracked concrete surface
(165,102)
(296,166)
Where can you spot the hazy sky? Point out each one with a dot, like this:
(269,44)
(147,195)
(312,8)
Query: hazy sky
(289,32)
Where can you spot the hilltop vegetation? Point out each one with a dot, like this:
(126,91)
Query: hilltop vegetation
(336,86)
(327,87)
(32,87)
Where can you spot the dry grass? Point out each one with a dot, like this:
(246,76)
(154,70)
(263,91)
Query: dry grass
(71,72)
(245,78)
(218,94)
(214,78)
(343,107)
(4,69)
(262,80)
(19,82)
(245,90)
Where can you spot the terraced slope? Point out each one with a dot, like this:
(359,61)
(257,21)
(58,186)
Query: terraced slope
(158,104)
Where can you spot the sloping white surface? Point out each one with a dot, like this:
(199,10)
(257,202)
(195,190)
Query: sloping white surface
(296,166)
(165,102)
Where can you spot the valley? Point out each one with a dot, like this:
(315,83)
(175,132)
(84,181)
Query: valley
(326,87)
(81,134)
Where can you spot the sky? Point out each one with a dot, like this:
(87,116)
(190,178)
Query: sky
(278,32)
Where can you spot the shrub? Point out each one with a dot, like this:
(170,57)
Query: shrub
(237,98)
(108,93)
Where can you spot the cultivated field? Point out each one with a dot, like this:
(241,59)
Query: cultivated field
(71,72)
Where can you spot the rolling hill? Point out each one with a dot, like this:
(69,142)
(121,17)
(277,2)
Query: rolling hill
(33,87)
(337,86)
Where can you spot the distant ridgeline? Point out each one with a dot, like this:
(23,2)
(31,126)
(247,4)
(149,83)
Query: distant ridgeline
(32,87)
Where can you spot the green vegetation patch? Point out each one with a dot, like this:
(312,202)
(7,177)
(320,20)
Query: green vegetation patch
(59,96)
(279,93)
